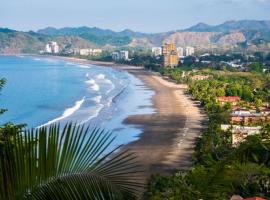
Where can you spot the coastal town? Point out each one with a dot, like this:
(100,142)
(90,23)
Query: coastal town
(135,100)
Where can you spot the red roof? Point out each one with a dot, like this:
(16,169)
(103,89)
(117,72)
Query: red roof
(254,198)
(229,98)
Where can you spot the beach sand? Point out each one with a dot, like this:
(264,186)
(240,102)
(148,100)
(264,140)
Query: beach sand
(168,136)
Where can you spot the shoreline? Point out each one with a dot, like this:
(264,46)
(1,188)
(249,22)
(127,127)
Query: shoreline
(168,136)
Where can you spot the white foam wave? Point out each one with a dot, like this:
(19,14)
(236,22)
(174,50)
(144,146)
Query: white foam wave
(91,82)
(94,114)
(97,99)
(67,112)
(37,59)
(100,76)
(84,66)
(94,85)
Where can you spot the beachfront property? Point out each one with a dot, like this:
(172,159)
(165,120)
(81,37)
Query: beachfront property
(52,47)
(120,55)
(170,55)
(233,100)
(180,51)
(199,77)
(244,116)
(156,51)
(90,52)
(189,51)
(239,133)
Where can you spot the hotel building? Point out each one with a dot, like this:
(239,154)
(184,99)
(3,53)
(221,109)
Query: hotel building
(170,55)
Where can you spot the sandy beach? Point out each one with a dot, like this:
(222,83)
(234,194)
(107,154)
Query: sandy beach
(168,136)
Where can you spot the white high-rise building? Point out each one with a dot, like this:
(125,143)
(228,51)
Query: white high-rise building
(189,51)
(52,47)
(115,55)
(48,48)
(180,51)
(156,51)
(124,55)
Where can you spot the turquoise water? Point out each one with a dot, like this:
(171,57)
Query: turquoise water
(41,91)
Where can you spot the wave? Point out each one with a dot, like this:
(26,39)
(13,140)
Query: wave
(94,85)
(100,76)
(97,99)
(94,114)
(37,59)
(66,113)
(84,66)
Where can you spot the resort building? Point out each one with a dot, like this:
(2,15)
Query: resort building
(156,51)
(170,55)
(124,55)
(189,51)
(239,133)
(90,52)
(199,77)
(120,55)
(233,100)
(115,55)
(180,52)
(246,117)
(52,47)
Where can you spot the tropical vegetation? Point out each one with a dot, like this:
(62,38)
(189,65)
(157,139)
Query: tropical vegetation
(64,162)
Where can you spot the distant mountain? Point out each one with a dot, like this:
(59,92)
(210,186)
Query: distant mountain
(253,35)
(232,26)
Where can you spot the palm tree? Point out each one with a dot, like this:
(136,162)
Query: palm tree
(73,162)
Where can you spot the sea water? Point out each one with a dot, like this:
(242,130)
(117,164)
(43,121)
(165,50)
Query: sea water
(43,91)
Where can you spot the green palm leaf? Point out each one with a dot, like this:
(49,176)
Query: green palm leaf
(69,163)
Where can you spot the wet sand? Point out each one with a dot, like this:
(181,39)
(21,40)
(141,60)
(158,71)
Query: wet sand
(168,136)
(167,142)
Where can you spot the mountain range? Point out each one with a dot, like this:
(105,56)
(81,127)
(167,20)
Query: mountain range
(253,35)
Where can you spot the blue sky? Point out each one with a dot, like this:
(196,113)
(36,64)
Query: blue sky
(138,15)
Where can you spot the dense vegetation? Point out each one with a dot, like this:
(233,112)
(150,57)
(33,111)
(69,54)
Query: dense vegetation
(221,170)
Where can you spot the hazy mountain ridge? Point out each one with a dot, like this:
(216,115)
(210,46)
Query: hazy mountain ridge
(228,35)
(258,25)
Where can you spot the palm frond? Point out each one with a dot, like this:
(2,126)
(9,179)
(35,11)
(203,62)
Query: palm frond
(68,163)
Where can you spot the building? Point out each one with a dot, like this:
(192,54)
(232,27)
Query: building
(180,52)
(52,47)
(170,55)
(156,51)
(189,51)
(237,197)
(245,117)
(199,77)
(115,55)
(90,52)
(233,100)
(239,133)
(96,52)
(124,55)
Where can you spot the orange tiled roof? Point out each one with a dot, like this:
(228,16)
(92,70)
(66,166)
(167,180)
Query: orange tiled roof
(228,98)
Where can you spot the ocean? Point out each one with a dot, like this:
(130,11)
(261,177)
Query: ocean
(42,91)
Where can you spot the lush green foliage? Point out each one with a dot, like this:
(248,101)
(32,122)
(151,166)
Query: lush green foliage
(221,170)
(72,162)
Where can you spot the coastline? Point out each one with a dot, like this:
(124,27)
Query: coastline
(168,136)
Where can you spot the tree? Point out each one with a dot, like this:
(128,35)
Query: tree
(68,163)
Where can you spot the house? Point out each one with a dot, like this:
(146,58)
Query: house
(199,77)
(243,116)
(237,197)
(233,100)
(239,133)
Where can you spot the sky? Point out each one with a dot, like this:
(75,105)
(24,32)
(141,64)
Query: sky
(149,16)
